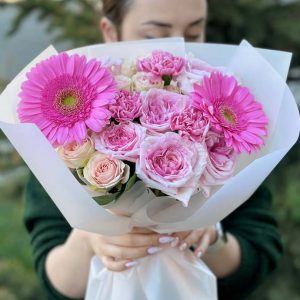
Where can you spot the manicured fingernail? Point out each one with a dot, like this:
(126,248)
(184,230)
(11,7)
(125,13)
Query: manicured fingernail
(183,246)
(131,264)
(199,254)
(166,239)
(153,250)
(175,242)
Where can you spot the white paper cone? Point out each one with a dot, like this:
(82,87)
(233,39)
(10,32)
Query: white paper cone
(164,214)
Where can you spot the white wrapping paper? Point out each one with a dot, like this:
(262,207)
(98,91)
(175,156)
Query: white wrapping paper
(264,72)
(172,275)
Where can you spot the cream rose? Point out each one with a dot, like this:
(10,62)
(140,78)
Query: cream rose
(128,67)
(123,82)
(143,81)
(77,155)
(102,173)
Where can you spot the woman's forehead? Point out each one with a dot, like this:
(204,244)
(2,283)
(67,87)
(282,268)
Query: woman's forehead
(167,12)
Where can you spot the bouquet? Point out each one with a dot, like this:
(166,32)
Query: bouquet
(166,138)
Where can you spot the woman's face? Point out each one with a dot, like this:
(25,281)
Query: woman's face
(147,19)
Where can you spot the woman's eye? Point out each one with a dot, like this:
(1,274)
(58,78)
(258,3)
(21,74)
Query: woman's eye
(191,38)
(149,37)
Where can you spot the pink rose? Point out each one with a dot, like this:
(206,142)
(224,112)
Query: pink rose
(190,123)
(127,106)
(143,81)
(171,164)
(158,108)
(220,165)
(121,141)
(196,70)
(102,173)
(162,63)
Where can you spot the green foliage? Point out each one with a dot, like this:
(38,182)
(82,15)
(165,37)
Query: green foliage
(17,277)
(77,20)
(267,24)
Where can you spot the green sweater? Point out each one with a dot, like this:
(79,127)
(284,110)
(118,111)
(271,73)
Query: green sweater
(252,224)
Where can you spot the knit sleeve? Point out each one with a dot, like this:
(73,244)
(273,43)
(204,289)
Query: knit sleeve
(47,229)
(255,228)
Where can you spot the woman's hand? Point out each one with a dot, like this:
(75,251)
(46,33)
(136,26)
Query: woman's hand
(121,252)
(201,239)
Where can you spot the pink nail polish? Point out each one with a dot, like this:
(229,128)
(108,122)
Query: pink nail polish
(131,264)
(175,242)
(183,246)
(153,250)
(166,239)
(199,254)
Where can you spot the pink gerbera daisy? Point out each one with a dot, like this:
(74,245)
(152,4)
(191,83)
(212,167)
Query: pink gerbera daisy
(232,111)
(65,95)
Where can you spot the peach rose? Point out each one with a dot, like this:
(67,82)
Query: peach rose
(102,173)
(77,155)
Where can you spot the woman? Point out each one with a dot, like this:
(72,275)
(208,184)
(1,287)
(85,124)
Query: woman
(251,249)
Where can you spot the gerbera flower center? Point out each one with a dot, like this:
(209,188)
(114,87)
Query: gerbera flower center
(228,115)
(67,101)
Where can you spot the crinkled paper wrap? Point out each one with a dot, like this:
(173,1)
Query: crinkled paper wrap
(173,275)
(263,71)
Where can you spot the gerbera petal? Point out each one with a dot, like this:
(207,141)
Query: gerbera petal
(102,100)
(94,124)
(228,86)
(80,131)
(71,65)
(50,131)
(61,135)
(251,138)
(100,114)
(52,137)
(257,130)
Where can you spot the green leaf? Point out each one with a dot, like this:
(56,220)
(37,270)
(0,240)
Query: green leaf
(167,79)
(107,199)
(112,197)
(130,183)
(78,174)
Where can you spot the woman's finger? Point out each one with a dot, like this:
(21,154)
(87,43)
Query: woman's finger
(117,265)
(191,239)
(126,252)
(203,245)
(180,237)
(140,240)
(142,230)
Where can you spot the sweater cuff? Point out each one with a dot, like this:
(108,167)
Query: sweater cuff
(241,276)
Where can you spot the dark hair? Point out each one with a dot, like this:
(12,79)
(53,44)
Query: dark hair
(115,10)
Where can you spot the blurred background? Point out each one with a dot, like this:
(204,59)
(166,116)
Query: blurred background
(28,27)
